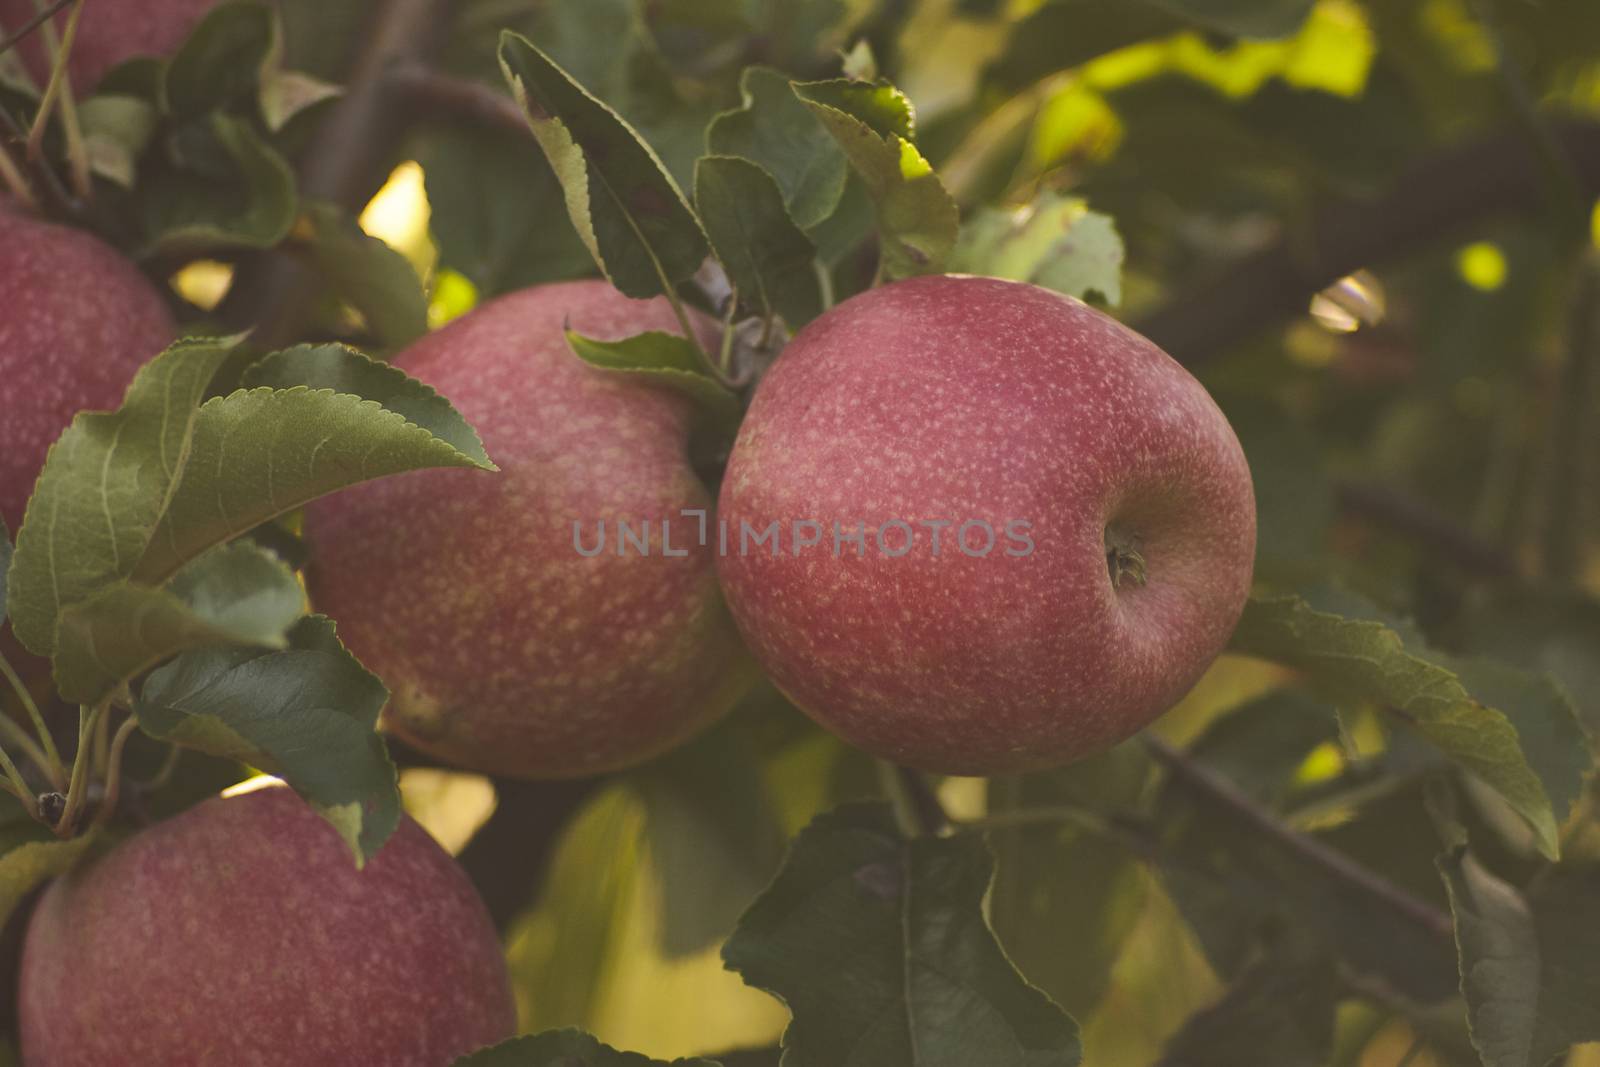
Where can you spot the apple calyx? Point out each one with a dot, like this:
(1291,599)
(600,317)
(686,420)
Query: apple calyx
(1124,562)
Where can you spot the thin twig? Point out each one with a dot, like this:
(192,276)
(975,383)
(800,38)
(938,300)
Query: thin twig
(47,758)
(88,720)
(426,92)
(32,24)
(58,97)
(1331,861)
(1430,526)
(46,174)
(108,802)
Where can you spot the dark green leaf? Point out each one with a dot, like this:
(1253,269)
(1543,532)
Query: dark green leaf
(186,212)
(103,489)
(1243,18)
(917,219)
(1358,660)
(667,361)
(770,261)
(260,452)
(564,1048)
(778,132)
(1499,954)
(376,280)
(1056,242)
(879,947)
(308,714)
(222,58)
(492,199)
(236,595)
(1279,1012)
(629,212)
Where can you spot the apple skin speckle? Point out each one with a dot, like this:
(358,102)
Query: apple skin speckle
(77,321)
(109,32)
(506,650)
(241,932)
(963,398)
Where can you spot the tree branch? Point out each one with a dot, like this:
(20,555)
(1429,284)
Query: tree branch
(1427,524)
(1330,861)
(347,161)
(1459,185)
(422,90)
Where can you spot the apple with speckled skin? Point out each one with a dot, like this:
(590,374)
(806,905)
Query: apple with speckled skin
(505,647)
(77,320)
(109,32)
(242,932)
(1034,530)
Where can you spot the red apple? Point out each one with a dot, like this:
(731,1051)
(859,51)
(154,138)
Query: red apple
(1100,539)
(77,320)
(506,649)
(109,31)
(241,932)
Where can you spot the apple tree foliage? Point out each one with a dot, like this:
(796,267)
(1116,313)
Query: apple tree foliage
(1369,836)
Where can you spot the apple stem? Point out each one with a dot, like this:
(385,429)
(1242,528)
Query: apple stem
(1123,561)
(43,753)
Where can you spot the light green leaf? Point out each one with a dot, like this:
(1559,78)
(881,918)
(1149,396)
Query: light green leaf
(879,947)
(31,855)
(626,207)
(5,566)
(774,130)
(917,218)
(667,361)
(236,595)
(770,260)
(564,1048)
(308,714)
(1056,242)
(104,486)
(258,453)
(1359,660)
(116,129)
(376,280)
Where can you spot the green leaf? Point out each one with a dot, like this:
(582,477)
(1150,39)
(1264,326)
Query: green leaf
(5,566)
(564,1048)
(1364,660)
(1242,889)
(1499,958)
(221,59)
(236,595)
(779,133)
(770,260)
(1056,242)
(376,280)
(116,130)
(260,452)
(188,212)
(1242,18)
(917,219)
(491,200)
(286,94)
(879,947)
(627,209)
(667,361)
(1065,898)
(307,714)
(104,486)
(31,855)
(713,834)
(1279,1012)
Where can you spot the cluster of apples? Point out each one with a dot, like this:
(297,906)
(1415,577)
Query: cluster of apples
(931,407)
